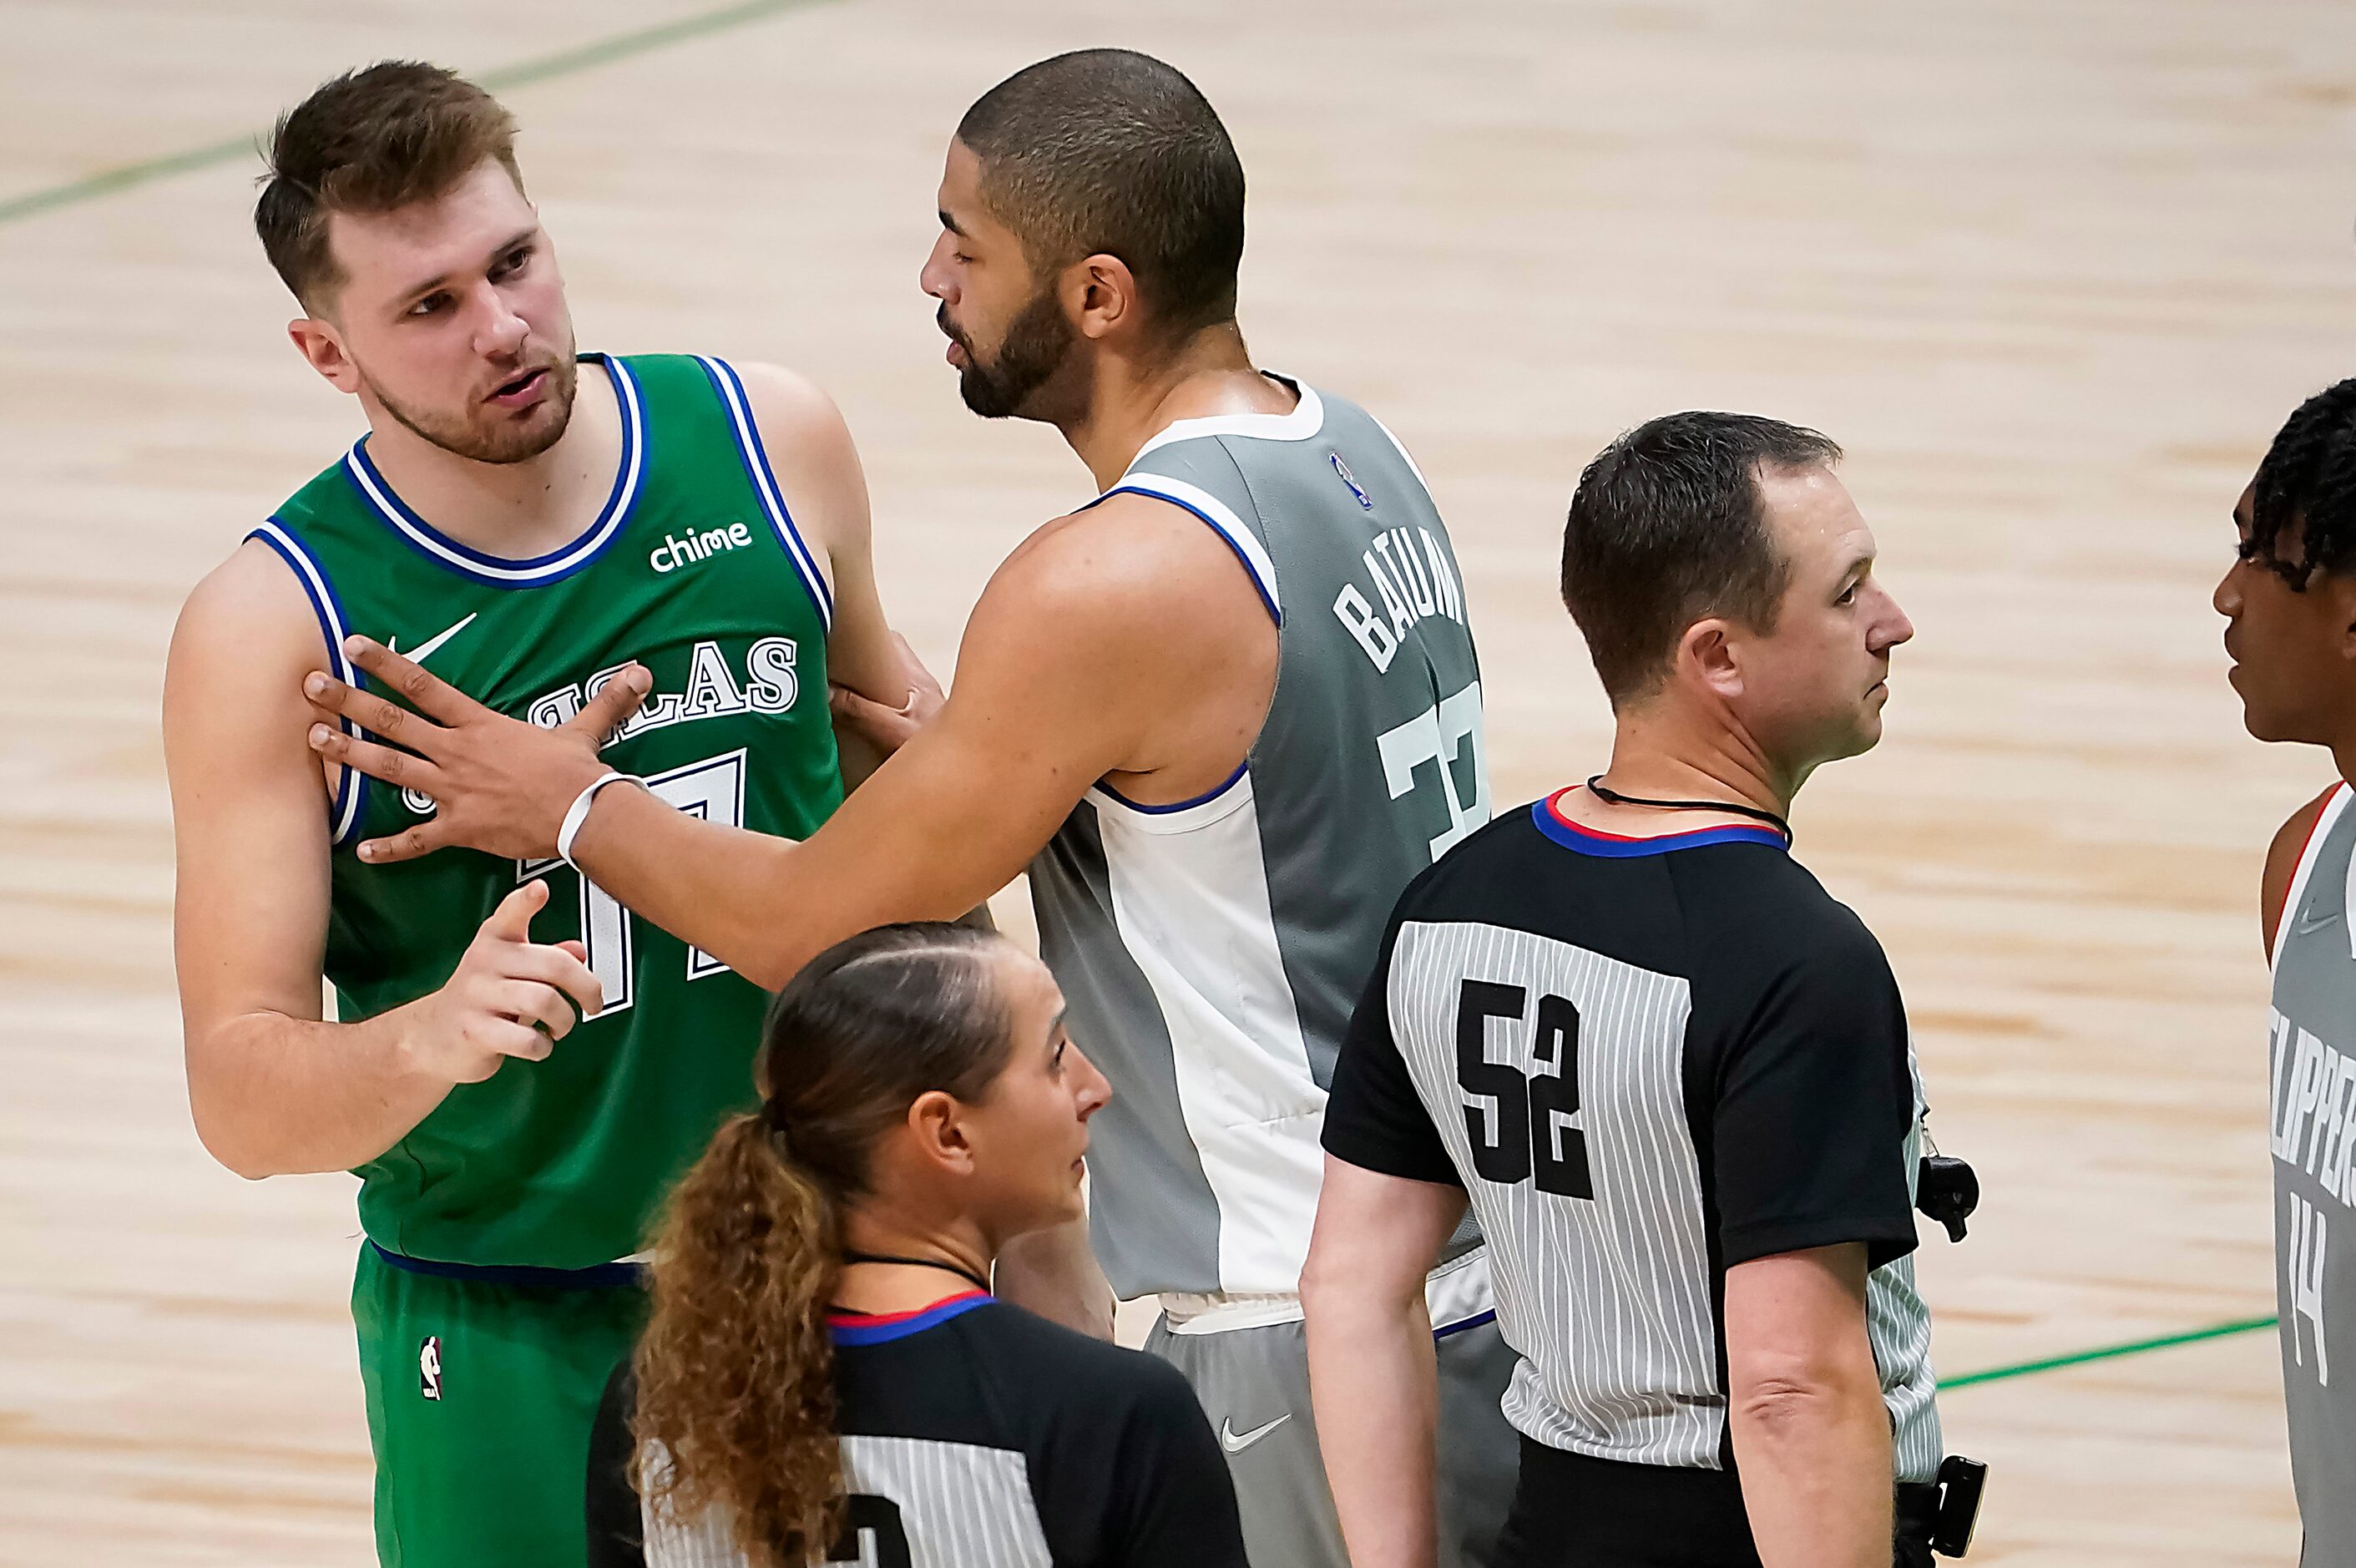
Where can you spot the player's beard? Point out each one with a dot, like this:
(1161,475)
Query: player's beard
(501,438)
(1038,343)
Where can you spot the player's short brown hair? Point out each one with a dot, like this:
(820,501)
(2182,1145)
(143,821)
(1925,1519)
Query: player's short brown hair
(1113,152)
(372,140)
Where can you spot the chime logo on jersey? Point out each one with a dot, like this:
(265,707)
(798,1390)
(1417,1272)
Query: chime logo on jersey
(429,1367)
(673,554)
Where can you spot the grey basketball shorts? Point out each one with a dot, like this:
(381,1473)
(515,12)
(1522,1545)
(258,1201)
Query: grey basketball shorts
(1254,1385)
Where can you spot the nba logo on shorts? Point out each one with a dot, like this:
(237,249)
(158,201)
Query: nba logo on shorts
(429,1367)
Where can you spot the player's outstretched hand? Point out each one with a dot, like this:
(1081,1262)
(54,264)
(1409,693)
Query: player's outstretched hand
(508,997)
(498,784)
(885,727)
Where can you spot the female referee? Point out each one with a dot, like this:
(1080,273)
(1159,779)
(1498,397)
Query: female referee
(826,1377)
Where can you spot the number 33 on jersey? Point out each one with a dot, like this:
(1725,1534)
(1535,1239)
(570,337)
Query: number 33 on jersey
(694,569)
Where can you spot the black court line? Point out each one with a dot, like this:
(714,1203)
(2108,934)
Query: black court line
(566,62)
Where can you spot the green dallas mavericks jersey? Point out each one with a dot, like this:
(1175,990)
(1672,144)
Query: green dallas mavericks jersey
(694,569)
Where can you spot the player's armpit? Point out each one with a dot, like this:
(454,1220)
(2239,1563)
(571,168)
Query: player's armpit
(1167,596)
(1114,641)
(2282,863)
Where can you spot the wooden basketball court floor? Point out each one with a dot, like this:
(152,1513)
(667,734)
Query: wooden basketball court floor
(2052,270)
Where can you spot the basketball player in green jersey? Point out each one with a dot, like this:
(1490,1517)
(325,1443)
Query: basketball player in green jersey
(532,525)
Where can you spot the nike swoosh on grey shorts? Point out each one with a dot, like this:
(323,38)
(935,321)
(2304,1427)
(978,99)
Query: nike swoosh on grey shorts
(1254,1385)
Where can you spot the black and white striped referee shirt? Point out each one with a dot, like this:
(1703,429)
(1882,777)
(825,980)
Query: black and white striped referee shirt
(974,1435)
(1646,1061)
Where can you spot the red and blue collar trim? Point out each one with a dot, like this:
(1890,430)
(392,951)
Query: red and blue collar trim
(880,1328)
(1551,820)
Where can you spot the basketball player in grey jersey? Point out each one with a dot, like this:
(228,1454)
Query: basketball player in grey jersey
(1224,713)
(1237,925)
(1215,945)
(2290,599)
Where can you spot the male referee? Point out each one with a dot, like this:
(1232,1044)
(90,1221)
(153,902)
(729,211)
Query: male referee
(1668,1069)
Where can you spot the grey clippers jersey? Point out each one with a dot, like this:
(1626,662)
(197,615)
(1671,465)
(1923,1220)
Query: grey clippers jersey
(1211,951)
(2312,1036)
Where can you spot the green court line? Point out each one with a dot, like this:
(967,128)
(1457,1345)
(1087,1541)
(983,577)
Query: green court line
(2106,1352)
(563,63)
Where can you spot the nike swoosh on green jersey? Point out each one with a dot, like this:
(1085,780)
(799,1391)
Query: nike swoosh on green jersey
(424,650)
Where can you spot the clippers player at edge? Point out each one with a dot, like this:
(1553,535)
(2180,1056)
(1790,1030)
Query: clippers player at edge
(2291,596)
(1223,714)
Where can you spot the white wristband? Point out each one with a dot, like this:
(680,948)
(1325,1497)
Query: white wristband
(578,813)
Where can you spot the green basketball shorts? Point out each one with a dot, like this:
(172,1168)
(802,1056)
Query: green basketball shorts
(480,1395)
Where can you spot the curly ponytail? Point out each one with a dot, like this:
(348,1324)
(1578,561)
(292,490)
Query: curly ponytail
(735,1371)
(735,1381)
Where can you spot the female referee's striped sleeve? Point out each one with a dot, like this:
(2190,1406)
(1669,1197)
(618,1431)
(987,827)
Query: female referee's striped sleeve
(1374,1118)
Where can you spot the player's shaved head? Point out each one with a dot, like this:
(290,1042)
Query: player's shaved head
(1111,152)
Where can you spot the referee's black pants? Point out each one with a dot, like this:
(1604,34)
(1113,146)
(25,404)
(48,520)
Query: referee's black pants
(1571,1511)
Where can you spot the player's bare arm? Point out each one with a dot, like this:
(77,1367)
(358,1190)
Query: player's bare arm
(1373,1375)
(1124,642)
(2282,865)
(1054,1274)
(817,467)
(1804,1406)
(275,1088)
